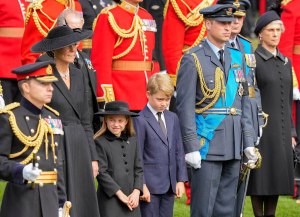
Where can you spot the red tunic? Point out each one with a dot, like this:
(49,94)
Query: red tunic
(291,36)
(12,15)
(35,30)
(180,31)
(122,84)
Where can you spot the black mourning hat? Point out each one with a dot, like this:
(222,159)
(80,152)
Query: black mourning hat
(241,6)
(41,71)
(59,37)
(116,108)
(264,20)
(219,12)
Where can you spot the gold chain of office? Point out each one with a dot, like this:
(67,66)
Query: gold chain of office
(35,141)
(33,9)
(133,32)
(214,93)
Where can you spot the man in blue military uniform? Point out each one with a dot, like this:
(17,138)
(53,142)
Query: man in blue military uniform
(31,148)
(244,45)
(211,89)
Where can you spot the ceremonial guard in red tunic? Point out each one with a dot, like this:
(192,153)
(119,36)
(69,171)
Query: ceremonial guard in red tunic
(41,16)
(12,15)
(183,28)
(123,42)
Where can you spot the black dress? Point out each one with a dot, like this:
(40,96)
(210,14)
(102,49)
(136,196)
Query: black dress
(274,79)
(80,148)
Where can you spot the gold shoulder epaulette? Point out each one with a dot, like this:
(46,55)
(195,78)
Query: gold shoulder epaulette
(9,107)
(108,8)
(243,37)
(52,110)
(285,2)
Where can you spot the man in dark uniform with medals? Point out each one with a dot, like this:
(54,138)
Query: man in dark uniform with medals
(211,109)
(31,147)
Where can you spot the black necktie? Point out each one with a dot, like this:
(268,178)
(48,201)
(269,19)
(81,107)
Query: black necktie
(221,52)
(232,44)
(161,123)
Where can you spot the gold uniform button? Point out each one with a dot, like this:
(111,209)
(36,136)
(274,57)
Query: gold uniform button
(49,117)
(56,144)
(32,130)
(41,184)
(27,118)
(95,7)
(38,158)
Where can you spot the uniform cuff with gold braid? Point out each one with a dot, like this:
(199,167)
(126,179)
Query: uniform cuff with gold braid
(108,93)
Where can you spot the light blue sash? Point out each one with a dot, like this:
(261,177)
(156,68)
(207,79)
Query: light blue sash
(207,125)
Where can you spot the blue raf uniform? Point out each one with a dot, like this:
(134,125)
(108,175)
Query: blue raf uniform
(211,106)
(256,114)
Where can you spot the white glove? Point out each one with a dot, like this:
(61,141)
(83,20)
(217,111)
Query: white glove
(296,94)
(60,212)
(30,172)
(252,156)
(193,159)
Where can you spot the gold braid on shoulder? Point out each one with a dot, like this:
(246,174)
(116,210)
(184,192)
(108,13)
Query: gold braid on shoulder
(214,93)
(192,19)
(133,32)
(36,6)
(35,141)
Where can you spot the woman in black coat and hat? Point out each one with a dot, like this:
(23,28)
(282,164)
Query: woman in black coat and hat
(274,79)
(69,98)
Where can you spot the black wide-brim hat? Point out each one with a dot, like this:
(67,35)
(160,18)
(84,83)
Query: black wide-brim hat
(116,108)
(59,37)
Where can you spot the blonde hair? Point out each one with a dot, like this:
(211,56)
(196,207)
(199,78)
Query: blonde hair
(160,82)
(129,129)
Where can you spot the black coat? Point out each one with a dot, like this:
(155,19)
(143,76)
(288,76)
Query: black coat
(19,198)
(274,79)
(119,168)
(80,148)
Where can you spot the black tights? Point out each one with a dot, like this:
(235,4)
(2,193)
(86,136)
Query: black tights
(264,205)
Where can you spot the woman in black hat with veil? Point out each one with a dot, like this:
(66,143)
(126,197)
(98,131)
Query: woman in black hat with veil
(69,98)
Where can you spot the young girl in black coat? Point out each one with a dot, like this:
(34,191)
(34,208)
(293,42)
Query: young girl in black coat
(120,178)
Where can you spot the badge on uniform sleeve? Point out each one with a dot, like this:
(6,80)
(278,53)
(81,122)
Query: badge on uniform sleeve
(56,125)
(149,25)
(250,60)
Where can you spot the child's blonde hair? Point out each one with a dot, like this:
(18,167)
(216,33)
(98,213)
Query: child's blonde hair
(160,82)
(129,129)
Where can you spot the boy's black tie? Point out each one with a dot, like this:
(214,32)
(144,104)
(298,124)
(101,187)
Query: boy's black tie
(161,123)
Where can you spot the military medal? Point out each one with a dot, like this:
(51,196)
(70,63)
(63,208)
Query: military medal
(241,89)
(149,25)
(250,60)
(239,75)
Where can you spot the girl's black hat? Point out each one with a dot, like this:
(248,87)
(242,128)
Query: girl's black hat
(116,108)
